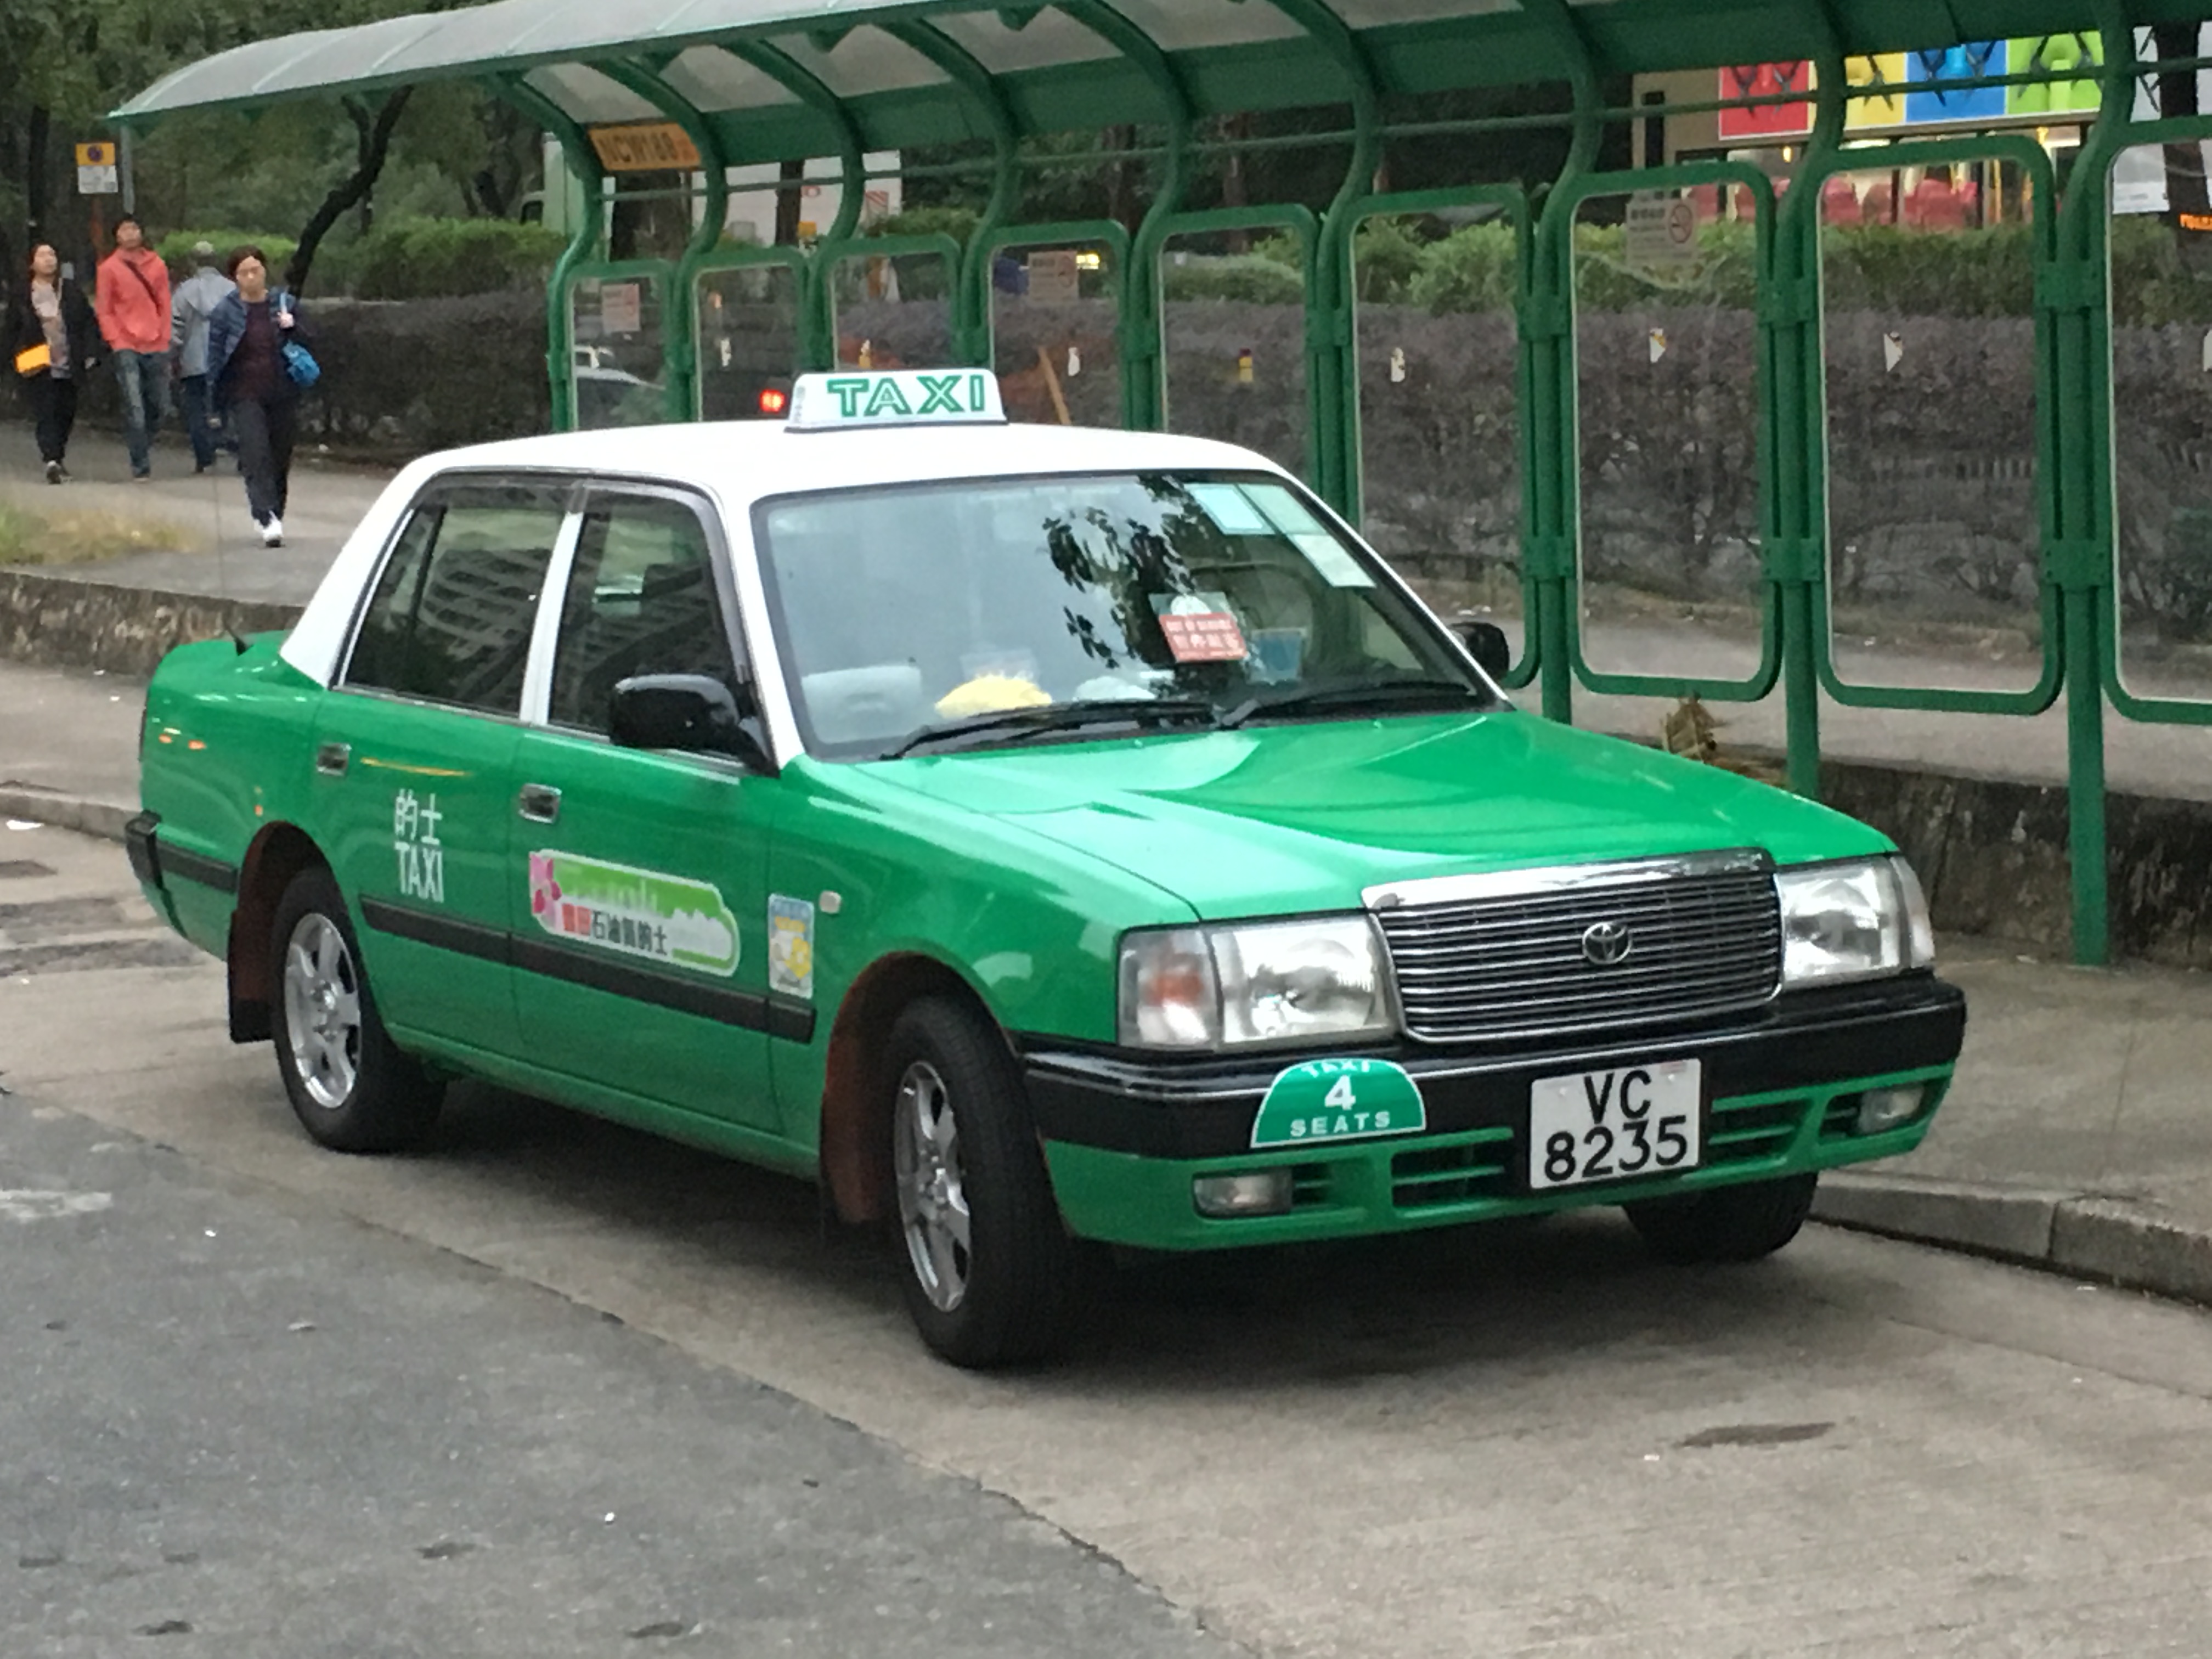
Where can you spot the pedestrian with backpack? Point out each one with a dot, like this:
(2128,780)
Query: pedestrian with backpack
(132,290)
(257,361)
(52,339)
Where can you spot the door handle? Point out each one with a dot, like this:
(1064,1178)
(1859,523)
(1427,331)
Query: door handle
(539,802)
(331,758)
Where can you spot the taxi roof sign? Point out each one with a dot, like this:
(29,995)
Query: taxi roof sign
(895,397)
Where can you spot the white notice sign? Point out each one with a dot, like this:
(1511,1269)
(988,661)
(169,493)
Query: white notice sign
(621,311)
(1055,279)
(1662,233)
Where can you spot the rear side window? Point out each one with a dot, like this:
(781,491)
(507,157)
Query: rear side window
(640,600)
(450,620)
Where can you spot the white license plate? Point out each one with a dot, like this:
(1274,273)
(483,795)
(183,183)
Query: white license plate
(1629,1122)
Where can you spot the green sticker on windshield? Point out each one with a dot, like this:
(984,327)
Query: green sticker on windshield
(1329,1100)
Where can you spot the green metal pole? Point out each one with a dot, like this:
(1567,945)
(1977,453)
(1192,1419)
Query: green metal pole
(583,242)
(817,344)
(1144,378)
(1547,333)
(971,308)
(1796,427)
(2077,519)
(1332,372)
(678,331)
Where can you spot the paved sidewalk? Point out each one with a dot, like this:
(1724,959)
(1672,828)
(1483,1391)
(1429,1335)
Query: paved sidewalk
(225,556)
(2078,1135)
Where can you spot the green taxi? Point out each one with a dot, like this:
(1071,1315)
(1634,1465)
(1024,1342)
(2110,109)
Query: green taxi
(1043,839)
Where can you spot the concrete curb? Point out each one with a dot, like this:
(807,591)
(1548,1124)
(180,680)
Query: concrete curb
(67,621)
(90,817)
(2085,1235)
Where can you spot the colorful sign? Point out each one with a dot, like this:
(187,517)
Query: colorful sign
(791,947)
(1970,62)
(2080,54)
(1332,1100)
(635,913)
(1885,70)
(645,147)
(1765,120)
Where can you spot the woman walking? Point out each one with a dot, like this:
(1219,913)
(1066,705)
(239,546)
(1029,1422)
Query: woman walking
(250,336)
(51,339)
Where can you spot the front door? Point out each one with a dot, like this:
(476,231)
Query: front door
(642,917)
(415,752)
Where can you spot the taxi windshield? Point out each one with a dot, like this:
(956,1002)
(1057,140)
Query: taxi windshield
(1015,609)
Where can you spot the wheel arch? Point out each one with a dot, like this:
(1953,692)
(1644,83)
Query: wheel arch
(279,852)
(856,1104)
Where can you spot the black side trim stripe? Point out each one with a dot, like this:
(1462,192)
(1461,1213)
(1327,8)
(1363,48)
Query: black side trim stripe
(468,938)
(748,1010)
(173,860)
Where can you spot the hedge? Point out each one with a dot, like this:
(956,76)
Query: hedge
(422,258)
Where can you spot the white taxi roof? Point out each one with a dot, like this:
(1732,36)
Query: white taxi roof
(738,462)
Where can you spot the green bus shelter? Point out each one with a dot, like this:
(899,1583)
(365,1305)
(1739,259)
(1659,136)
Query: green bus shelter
(1884,373)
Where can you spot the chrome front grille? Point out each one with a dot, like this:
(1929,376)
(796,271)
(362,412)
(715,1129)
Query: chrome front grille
(1504,956)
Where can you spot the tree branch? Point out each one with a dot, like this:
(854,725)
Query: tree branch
(376,145)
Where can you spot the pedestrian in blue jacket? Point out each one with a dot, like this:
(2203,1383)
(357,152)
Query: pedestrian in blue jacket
(246,364)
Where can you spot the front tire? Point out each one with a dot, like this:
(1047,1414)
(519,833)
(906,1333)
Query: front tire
(353,1091)
(1727,1224)
(990,1275)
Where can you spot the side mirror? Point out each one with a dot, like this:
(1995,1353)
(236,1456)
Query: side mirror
(1486,643)
(691,713)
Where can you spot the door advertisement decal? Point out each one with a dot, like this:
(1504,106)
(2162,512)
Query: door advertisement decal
(635,913)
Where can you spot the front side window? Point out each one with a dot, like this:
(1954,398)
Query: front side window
(451,616)
(1009,609)
(640,600)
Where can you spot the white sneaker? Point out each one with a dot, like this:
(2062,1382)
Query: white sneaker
(272,533)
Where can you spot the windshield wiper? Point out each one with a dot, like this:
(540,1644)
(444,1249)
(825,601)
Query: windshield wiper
(1373,694)
(1013,724)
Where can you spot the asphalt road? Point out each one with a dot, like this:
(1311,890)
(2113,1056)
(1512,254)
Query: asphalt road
(1527,1442)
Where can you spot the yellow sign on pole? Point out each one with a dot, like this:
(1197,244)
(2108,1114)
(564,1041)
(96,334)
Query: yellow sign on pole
(645,146)
(96,174)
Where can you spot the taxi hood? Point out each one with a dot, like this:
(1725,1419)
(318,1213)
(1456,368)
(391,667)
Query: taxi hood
(1287,818)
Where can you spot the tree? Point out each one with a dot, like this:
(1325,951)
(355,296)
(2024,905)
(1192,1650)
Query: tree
(373,141)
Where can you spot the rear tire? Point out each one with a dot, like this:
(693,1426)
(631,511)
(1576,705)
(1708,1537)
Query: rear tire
(1728,1223)
(353,1089)
(990,1274)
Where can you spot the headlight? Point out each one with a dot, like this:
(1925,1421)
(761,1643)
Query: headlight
(1855,920)
(1281,981)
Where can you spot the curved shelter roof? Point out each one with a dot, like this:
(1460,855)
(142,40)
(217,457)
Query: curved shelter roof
(1056,67)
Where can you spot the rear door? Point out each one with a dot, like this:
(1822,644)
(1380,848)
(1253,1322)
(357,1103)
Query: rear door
(415,755)
(642,951)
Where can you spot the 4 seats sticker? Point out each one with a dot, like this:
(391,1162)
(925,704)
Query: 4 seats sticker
(1339,1100)
(637,913)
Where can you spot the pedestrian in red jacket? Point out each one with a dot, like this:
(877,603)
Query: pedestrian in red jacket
(132,294)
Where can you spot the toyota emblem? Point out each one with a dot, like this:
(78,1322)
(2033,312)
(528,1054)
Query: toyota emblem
(1607,944)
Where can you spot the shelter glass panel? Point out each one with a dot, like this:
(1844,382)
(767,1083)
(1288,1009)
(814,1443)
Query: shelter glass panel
(1055,332)
(616,326)
(1929,385)
(2161,333)
(1667,426)
(747,336)
(1233,318)
(893,310)
(1440,430)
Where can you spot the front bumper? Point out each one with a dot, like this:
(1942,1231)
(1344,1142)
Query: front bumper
(1125,1137)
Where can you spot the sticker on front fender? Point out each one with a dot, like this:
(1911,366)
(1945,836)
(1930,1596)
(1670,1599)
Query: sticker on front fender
(1334,1100)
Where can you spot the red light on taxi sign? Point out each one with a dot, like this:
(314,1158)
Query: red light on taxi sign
(773,401)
